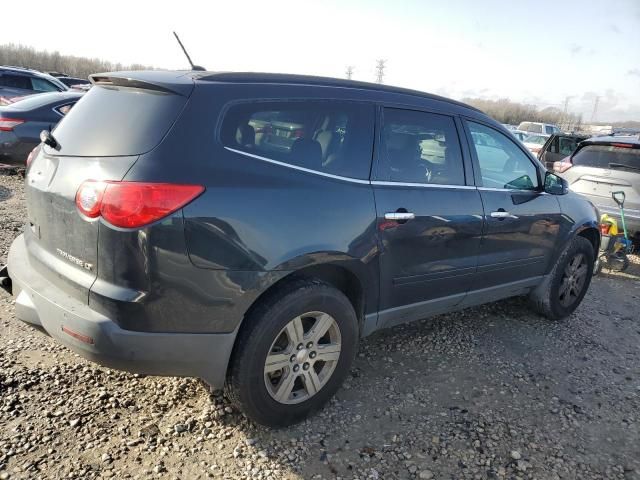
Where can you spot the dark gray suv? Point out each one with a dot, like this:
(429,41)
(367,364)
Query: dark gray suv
(248,229)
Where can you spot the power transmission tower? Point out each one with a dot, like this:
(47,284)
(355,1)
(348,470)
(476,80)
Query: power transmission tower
(595,109)
(349,72)
(380,70)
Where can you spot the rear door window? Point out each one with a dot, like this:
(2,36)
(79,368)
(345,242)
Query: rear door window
(325,136)
(608,157)
(420,147)
(115,121)
(41,85)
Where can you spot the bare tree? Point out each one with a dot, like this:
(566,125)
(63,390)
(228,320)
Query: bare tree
(28,57)
(506,111)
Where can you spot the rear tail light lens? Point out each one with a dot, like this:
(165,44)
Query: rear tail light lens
(8,124)
(133,204)
(298,133)
(32,154)
(562,166)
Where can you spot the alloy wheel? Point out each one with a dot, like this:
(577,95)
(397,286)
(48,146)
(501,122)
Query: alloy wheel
(302,357)
(573,280)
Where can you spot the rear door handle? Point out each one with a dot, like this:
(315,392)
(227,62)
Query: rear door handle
(399,216)
(501,214)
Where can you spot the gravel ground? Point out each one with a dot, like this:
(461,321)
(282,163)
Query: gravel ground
(491,392)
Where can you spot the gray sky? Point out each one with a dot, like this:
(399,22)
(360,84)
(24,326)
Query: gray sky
(536,51)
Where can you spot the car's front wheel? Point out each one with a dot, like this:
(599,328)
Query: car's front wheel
(293,353)
(567,284)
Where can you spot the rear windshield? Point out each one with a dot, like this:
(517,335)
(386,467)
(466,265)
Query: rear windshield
(115,121)
(608,156)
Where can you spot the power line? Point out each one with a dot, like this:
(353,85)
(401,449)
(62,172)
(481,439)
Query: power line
(380,70)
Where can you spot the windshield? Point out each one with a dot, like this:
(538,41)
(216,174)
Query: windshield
(608,156)
(537,139)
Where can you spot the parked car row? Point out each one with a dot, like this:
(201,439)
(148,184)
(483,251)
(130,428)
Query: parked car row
(19,82)
(32,101)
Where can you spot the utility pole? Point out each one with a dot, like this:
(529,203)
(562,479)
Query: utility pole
(564,123)
(380,70)
(349,72)
(595,109)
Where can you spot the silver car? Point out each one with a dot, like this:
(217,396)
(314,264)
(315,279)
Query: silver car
(602,165)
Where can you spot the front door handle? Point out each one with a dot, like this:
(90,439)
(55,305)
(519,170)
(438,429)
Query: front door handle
(399,216)
(502,214)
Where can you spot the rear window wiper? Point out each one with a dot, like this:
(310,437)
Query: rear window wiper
(622,165)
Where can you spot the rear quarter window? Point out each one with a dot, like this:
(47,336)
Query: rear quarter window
(113,121)
(325,136)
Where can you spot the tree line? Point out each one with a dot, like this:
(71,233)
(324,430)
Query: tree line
(507,111)
(28,57)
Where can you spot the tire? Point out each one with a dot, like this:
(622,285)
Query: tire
(548,299)
(262,396)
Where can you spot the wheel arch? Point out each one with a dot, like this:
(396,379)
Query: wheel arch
(348,275)
(592,234)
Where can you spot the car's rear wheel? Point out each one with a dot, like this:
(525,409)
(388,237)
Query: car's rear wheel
(567,284)
(293,353)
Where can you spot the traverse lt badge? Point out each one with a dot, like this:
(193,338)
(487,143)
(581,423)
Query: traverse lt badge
(76,260)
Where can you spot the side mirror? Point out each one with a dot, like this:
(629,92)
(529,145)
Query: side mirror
(555,185)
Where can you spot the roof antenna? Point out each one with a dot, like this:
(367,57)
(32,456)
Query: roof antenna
(193,67)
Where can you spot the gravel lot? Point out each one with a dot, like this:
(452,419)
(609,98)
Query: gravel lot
(491,392)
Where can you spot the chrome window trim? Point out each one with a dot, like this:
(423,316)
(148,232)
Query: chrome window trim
(515,190)
(421,185)
(301,169)
(349,179)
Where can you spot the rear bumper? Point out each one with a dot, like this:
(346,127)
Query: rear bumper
(99,339)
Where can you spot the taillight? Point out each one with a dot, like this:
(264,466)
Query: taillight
(562,166)
(298,133)
(8,124)
(133,204)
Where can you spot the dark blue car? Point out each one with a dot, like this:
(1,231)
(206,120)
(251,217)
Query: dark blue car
(21,122)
